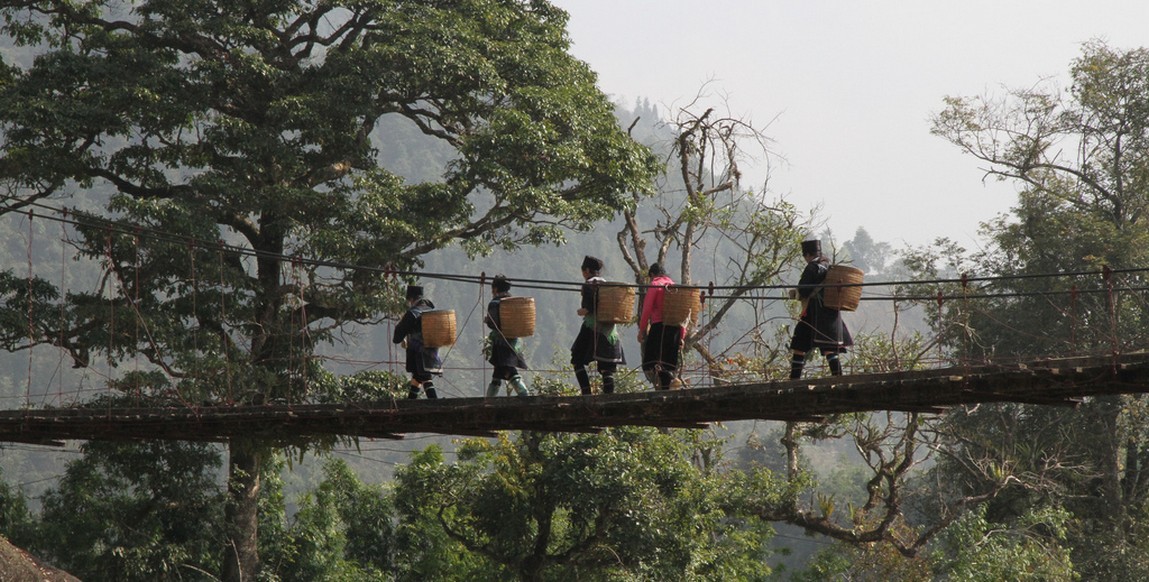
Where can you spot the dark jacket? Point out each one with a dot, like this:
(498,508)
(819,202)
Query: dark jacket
(819,327)
(420,359)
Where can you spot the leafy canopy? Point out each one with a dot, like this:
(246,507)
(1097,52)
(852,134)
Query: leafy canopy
(263,125)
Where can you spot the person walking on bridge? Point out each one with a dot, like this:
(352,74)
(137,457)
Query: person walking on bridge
(661,343)
(819,326)
(422,362)
(506,353)
(596,341)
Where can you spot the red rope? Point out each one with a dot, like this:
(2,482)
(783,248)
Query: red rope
(31,328)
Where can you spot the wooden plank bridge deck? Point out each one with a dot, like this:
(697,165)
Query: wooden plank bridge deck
(1063,382)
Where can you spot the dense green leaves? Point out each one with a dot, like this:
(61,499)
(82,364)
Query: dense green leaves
(259,126)
(135,512)
(625,503)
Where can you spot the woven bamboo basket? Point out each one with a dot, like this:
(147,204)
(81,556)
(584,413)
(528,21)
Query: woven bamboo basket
(439,328)
(842,288)
(517,316)
(615,303)
(679,305)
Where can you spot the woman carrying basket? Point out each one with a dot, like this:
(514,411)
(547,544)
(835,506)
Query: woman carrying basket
(422,362)
(597,341)
(506,353)
(819,326)
(661,343)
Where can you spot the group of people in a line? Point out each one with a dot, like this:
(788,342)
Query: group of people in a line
(819,328)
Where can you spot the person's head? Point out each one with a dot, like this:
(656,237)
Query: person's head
(591,265)
(655,270)
(414,293)
(500,284)
(811,249)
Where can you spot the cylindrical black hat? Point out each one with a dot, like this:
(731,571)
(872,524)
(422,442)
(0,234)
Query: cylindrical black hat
(812,247)
(414,291)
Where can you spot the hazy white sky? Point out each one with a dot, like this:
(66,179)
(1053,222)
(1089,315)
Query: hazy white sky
(850,87)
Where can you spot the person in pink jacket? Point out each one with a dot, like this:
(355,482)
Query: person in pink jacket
(661,344)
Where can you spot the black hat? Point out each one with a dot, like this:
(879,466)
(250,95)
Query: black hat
(591,263)
(500,284)
(414,291)
(812,247)
(655,270)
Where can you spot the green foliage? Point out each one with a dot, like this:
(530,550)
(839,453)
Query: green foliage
(365,386)
(871,562)
(423,549)
(763,491)
(622,504)
(976,550)
(1083,170)
(15,518)
(277,544)
(147,511)
(256,125)
(206,129)
(342,531)
(1081,163)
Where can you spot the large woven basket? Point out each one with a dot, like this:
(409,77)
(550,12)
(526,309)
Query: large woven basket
(842,288)
(615,303)
(438,328)
(517,316)
(680,305)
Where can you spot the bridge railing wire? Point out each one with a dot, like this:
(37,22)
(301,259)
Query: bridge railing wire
(946,293)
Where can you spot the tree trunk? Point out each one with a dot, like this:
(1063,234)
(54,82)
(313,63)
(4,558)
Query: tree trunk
(241,556)
(1109,464)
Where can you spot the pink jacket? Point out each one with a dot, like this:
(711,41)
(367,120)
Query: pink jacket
(652,304)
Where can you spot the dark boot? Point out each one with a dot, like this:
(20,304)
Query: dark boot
(608,382)
(835,364)
(429,390)
(583,378)
(796,364)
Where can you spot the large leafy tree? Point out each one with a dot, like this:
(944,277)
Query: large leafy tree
(1082,162)
(256,124)
(128,512)
(626,503)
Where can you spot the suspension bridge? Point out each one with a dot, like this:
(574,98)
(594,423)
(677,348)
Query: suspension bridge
(1065,381)
(1057,382)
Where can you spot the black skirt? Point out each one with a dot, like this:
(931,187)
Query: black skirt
(593,345)
(661,347)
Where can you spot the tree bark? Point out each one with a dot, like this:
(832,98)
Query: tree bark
(1109,462)
(241,556)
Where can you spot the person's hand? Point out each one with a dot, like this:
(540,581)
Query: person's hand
(641,336)
(582,312)
(403,344)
